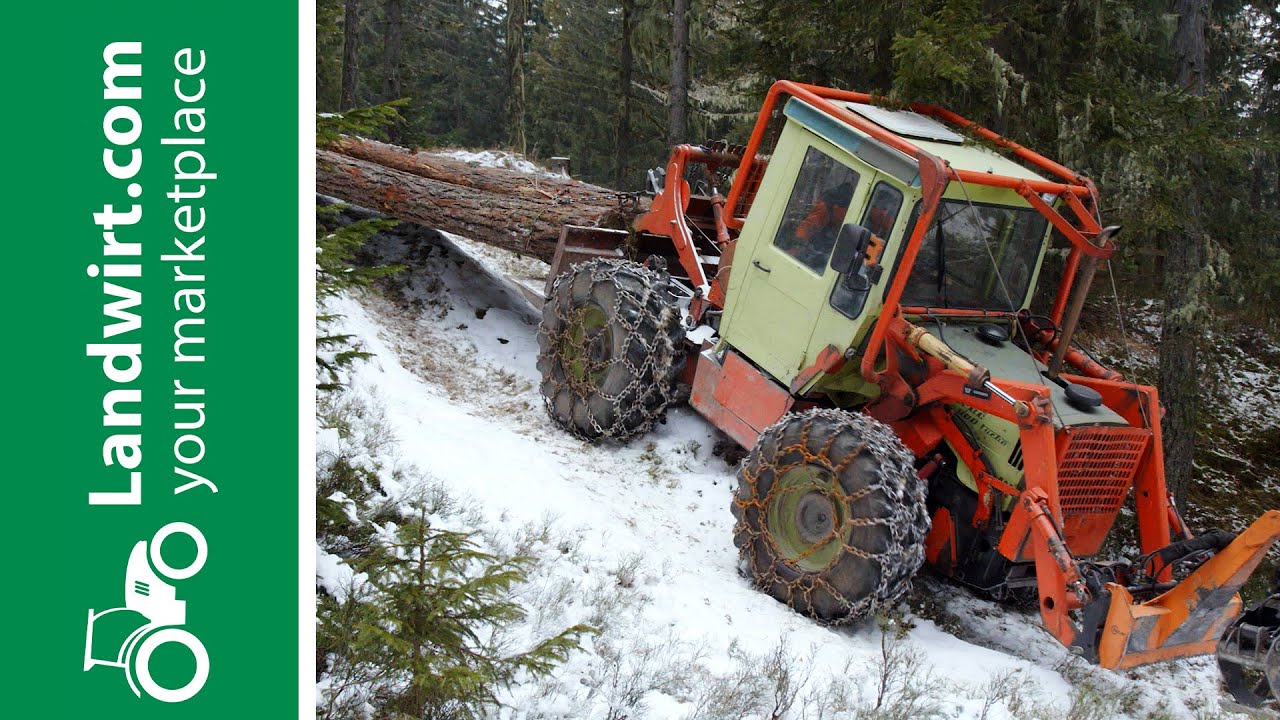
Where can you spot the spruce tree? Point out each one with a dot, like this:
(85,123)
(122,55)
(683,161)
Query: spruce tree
(440,602)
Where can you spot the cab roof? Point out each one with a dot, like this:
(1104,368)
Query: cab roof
(920,130)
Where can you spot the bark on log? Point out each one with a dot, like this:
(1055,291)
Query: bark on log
(514,210)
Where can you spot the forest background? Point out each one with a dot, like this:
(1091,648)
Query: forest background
(1171,106)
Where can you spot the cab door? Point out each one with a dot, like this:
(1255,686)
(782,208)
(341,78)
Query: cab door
(785,277)
(856,298)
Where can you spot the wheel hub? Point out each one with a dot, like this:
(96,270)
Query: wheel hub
(805,517)
(814,515)
(597,346)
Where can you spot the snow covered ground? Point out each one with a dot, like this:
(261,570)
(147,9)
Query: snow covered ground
(636,540)
(499,159)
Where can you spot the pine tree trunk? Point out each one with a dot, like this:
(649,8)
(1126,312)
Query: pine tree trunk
(392,46)
(350,48)
(1183,267)
(506,208)
(517,16)
(625,70)
(678,126)
(456,45)
(1189,44)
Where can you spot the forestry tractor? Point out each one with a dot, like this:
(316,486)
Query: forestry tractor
(856,313)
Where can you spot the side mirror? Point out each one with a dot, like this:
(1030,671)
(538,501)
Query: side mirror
(851,248)
(857,282)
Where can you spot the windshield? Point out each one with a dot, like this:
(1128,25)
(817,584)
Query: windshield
(959,256)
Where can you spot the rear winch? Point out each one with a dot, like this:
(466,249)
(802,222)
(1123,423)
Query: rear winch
(1249,657)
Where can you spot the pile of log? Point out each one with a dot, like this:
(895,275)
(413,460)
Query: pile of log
(519,211)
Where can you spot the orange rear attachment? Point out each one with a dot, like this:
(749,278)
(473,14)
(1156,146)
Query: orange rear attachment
(1189,617)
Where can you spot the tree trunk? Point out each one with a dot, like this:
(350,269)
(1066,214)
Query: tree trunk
(1189,44)
(514,210)
(457,46)
(517,16)
(1183,268)
(392,45)
(350,48)
(678,127)
(625,70)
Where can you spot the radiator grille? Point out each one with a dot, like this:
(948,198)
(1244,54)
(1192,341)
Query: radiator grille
(1098,468)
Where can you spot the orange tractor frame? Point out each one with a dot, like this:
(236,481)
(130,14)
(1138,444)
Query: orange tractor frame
(1112,629)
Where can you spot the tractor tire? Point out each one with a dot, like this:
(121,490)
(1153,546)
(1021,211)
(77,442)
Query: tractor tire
(831,517)
(609,348)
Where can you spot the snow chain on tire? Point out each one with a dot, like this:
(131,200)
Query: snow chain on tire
(831,517)
(610,347)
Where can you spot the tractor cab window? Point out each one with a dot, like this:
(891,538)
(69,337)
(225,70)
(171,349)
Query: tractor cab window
(816,210)
(976,256)
(851,290)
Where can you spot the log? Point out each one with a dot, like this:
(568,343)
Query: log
(518,211)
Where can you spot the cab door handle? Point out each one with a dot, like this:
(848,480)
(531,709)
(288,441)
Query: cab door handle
(760,267)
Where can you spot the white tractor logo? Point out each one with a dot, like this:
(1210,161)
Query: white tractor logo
(150,618)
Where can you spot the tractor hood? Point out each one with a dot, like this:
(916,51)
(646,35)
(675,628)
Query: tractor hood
(1010,362)
(1091,494)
